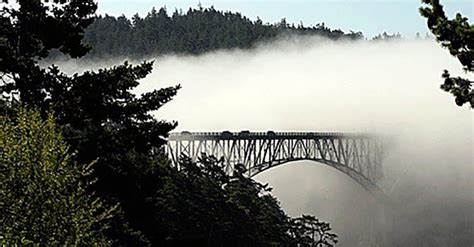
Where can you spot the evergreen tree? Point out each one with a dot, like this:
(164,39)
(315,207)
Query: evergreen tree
(387,37)
(309,231)
(458,36)
(98,114)
(29,33)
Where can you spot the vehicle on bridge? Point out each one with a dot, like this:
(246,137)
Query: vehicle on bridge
(244,133)
(226,133)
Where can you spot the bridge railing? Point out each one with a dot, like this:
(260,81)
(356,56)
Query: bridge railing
(268,134)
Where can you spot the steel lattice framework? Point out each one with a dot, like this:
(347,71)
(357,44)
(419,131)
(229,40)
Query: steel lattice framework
(357,155)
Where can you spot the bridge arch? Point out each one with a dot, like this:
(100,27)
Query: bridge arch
(359,178)
(359,156)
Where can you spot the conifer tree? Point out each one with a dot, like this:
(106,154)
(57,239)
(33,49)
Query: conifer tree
(457,35)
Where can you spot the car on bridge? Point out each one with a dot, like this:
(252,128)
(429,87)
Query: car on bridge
(244,133)
(226,133)
(271,133)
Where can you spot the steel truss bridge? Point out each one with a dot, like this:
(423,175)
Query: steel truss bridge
(357,155)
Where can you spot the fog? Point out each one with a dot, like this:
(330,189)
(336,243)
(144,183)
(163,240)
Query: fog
(389,88)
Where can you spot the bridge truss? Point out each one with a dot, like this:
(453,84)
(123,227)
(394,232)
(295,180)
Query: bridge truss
(357,155)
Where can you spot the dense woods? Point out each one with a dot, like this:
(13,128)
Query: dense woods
(192,32)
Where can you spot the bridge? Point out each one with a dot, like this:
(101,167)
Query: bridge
(359,156)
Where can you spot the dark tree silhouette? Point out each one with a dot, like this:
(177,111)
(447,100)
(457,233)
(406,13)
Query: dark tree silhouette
(457,35)
(99,115)
(218,209)
(307,230)
(192,32)
(387,37)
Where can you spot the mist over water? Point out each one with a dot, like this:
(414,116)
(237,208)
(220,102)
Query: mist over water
(389,88)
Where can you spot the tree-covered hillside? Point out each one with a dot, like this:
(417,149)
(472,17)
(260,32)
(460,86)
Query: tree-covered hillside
(193,32)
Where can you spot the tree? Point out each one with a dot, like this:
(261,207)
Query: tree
(200,204)
(309,231)
(457,35)
(44,198)
(387,37)
(29,32)
(99,116)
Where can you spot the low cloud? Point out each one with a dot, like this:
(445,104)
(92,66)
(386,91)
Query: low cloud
(309,84)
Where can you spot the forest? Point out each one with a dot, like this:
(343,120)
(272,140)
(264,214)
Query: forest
(195,31)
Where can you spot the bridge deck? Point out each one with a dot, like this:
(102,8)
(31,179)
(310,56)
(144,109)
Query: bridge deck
(185,135)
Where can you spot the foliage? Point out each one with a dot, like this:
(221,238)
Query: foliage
(99,115)
(44,199)
(29,32)
(458,36)
(386,36)
(193,32)
(310,231)
(105,120)
(202,205)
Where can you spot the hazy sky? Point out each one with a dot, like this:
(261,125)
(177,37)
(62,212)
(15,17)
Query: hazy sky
(370,17)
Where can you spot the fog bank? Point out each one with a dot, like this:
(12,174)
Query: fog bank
(390,88)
